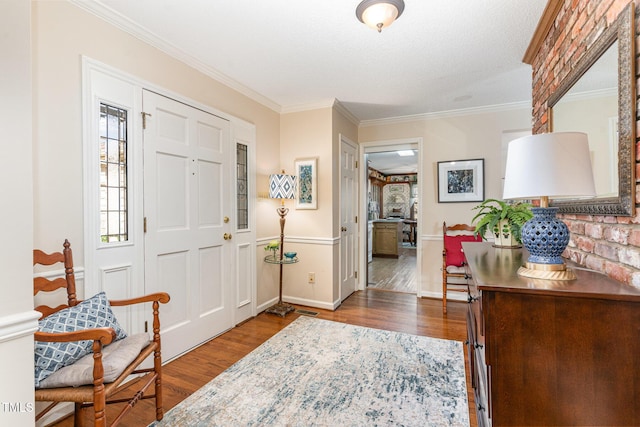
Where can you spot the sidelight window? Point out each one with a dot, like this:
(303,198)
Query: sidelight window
(243,188)
(113,174)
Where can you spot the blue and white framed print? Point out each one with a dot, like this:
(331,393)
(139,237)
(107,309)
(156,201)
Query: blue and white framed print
(307,174)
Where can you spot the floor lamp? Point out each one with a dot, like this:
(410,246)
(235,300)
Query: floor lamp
(281,186)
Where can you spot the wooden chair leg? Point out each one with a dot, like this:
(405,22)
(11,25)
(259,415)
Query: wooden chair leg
(78,415)
(157,361)
(444,298)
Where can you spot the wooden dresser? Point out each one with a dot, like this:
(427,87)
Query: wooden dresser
(551,353)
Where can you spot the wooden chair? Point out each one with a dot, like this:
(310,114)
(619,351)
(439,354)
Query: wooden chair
(453,262)
(97,392)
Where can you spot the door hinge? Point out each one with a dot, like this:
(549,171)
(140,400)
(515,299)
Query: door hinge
(146,326)
(144,119)
(356,164)
(144,225)
(356,219)
(356,274)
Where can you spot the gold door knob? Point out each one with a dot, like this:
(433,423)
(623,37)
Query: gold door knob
(226,219)
(227,236)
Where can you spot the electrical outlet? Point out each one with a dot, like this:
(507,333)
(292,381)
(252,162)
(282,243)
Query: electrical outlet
(312,277)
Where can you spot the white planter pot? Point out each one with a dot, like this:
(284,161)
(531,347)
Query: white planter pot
(504,237)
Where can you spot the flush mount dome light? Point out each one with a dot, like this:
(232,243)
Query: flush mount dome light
(379,13)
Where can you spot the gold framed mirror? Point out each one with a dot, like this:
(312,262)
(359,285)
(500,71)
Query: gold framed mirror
(598,97)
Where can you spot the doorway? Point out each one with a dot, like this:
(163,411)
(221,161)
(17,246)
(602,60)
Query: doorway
(392,195)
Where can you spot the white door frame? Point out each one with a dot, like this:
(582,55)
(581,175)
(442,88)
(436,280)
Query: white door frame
(378,146)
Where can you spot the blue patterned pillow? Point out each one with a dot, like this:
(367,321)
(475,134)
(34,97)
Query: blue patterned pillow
(94,312)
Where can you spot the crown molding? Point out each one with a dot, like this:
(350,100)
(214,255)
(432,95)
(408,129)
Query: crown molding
(447,114)
(123,23)
(542,29)
(325,103)
(339,107)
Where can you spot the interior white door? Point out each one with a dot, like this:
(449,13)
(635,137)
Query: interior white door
(348,213)
(188,252)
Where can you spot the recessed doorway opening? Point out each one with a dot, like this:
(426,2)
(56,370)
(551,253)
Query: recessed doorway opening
(392,213)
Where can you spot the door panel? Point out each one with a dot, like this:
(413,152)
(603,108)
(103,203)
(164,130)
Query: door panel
(187,191)
(348,212)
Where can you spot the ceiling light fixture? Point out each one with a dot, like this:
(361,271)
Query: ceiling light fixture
(379,13)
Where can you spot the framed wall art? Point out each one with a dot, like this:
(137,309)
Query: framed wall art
(461,181)
(307,190)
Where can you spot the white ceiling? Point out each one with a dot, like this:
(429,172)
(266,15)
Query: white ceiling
(440,55)
(390,162)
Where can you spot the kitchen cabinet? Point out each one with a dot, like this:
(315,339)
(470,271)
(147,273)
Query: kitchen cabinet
(387,236)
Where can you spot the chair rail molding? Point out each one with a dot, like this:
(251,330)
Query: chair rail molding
(18,325)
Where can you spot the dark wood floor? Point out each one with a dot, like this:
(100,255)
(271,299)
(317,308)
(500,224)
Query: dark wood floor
(391,311)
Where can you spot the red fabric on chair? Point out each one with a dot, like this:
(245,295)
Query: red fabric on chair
(453,245)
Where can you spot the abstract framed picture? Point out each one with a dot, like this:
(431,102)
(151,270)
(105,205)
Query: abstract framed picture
(307,185)
(461,181)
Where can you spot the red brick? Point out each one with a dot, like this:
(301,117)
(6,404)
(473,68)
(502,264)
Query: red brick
(584,217)
(595,263)
(634,237)
(618,272)
(575,226)
(630,256)
(616,235)
(593,230)
(635,279)
(585,244)
(606,251)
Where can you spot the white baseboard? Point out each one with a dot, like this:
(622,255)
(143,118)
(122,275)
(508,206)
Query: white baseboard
(62,410)
(299,301)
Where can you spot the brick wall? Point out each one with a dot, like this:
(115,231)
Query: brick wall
(605,243)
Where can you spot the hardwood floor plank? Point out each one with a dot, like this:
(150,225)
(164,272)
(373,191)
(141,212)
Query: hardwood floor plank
(392,311)
(394,274)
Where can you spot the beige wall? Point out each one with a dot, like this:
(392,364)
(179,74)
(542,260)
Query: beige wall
(312,233)
(456,137)
(62,33)
(17,319)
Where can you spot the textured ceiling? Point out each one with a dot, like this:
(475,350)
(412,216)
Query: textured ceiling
(440,55)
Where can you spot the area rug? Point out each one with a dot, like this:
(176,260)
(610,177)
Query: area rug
(322,373)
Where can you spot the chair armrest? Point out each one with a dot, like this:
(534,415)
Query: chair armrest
(104,335)
(162,297)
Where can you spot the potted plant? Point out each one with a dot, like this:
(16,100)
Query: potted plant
(504,219)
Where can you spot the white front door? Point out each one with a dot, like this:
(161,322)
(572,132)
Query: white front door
(348,212)
(188,251)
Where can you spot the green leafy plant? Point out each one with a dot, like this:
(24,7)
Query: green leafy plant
(272,246)
(492,211)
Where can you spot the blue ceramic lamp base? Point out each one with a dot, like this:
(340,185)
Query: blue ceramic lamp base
(545,237)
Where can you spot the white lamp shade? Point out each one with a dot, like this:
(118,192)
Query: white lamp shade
(282,186)
(379,14)
(556,165)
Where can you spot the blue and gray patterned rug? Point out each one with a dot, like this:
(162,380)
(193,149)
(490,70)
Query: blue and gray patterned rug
(323,373)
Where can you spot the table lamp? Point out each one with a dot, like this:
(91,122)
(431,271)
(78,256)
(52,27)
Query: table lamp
(281,186)
(548,165)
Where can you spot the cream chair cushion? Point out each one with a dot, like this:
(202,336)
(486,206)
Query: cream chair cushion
(115,358)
